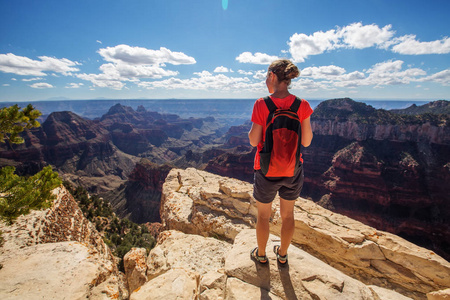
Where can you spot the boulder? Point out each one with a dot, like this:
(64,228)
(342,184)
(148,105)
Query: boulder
(305,277)
(199,202)
(238,289)
(68,270)
(135,264)
(193,253)
(57,253)
(439,295)
(174,284)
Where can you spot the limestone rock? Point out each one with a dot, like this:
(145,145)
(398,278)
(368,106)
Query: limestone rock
(372,256)
(385,294)
(68,270)
(64,221)
(439,295)
(197,202)
(238,289)
(212,285)
(191,252)
(135,263)
(57,253)
(174,284)
(306,277)
(187,266)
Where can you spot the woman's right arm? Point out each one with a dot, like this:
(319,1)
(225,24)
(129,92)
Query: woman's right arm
(307,134)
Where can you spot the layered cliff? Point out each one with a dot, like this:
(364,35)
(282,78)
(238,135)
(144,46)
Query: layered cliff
(103,155)
(388,170)
(57,253)
(138,199)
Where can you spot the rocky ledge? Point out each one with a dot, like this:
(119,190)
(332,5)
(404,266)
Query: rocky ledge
(212,269)
(57,253)
(198,202)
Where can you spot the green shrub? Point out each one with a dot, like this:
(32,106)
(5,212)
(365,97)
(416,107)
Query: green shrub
(20,194)
(119,234)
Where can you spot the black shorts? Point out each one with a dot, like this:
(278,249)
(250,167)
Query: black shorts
(265,188)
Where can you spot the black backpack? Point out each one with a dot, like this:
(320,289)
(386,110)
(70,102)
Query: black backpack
(280,155)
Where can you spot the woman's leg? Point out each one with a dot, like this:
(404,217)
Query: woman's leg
(287,225)
(262,226)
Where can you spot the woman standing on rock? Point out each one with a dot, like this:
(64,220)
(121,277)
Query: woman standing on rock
(280,123)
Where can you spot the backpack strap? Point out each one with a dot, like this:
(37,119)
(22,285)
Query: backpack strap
(270,105)
(296,104)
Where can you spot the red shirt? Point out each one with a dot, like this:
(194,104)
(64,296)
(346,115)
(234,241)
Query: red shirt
(261,112)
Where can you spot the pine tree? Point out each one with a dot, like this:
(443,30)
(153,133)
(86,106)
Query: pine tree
(20,194)
(13,121)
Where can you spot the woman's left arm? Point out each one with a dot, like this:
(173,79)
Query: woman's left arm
(307,134)
(255,134)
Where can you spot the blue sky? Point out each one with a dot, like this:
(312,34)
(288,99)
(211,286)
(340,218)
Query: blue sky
(117,49)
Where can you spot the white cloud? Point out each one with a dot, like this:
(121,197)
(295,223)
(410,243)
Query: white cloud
(13,79)
(386,67)
(41,85)
(257,58)
(409,45)
(203,74)
(21,65)
(301,45)
(309,85)
(442,77)
(354,35)
(379,75)
(143,56)
(32,79)
(221,69)
(6,84)
(260,75)
(242,72)
(387,73)
(103,80)
(98,41)
(74,85)
(206,81)
(126,72)
(361,36)
(132,64)
(322,72)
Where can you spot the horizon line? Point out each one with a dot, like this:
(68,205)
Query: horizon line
(212,99)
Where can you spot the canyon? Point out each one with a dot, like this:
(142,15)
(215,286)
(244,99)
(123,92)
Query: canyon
(203,253)
(389,170)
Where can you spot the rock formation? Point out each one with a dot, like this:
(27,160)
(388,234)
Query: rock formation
(204,253)
(197,202)
(213,269)
(56,253)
